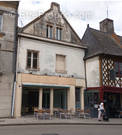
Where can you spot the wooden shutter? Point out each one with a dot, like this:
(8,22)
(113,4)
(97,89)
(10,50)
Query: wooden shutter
(60,63)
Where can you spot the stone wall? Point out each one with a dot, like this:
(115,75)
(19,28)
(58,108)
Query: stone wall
(7,43)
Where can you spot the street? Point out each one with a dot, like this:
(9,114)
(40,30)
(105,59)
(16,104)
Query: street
(62,130)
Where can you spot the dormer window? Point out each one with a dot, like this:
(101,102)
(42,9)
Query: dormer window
(58,33)
(49,33)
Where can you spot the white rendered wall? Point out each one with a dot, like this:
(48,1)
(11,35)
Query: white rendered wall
(47,57)
(92,72)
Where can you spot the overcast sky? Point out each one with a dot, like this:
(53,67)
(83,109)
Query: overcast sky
(79,13)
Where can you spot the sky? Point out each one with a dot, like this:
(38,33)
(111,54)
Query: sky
(79,13)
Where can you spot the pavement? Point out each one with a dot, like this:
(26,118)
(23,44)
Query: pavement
(56,121)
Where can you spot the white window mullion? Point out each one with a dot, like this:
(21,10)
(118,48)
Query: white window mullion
(1,21)
(31,60)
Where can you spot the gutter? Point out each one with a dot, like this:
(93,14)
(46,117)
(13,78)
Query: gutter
(14,64)
(85,73)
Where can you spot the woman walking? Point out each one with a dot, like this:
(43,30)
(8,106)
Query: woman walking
(100,111)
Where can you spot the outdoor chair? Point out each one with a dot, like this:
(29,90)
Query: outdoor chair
(87,114)
(82,114)
(65,114)
(42,114)
(120,114)
(36,112)
(56,112)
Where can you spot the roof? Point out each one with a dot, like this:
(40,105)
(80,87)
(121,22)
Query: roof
(13,4)
(101,43)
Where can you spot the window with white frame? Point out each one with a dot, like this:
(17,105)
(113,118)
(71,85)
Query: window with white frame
(32,59)
(60,63)
(58,33)
(49,33)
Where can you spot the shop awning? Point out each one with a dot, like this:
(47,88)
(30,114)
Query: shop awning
(44,85)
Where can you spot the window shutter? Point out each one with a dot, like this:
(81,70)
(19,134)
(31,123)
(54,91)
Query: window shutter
(60,63)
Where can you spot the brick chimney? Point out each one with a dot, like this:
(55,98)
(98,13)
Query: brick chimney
(107,26)
(55,6)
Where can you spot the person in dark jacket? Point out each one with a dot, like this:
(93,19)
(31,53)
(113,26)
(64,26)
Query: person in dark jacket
(106,107)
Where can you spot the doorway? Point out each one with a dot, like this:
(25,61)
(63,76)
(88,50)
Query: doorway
(91,101)
(113,103)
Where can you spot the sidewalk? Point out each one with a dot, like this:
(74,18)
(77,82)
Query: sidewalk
(55,121)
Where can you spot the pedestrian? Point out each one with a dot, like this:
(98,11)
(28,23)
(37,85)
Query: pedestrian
(100,111)
(106,112)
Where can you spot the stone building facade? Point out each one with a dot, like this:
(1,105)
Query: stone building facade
(8,26)
(50,66)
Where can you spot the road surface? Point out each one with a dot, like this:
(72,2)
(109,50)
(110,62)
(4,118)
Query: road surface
(62,130)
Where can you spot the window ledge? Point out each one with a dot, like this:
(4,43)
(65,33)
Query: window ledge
(61,71)
(29,69)
(2,34)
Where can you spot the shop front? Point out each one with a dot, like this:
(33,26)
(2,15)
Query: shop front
(31,99)
(112,97)
(48,93)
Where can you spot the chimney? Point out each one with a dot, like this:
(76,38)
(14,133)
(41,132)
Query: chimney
(55,6)
(107,26)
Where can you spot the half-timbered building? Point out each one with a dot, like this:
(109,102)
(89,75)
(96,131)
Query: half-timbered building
(103,67)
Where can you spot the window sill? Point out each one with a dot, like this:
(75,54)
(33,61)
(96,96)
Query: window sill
(61,71)
(30,69)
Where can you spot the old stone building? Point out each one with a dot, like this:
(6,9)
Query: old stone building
(104,77)
(8,26)
(50,66)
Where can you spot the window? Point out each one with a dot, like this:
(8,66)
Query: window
(118,69)
(49,33)
(77,98)
(0,22)
(32,59)
(60,63)
(58,33)
(1,76)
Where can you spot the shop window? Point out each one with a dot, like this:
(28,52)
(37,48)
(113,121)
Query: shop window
(77,98)
(32,59)
(58,33)
(60,63)
(49,33)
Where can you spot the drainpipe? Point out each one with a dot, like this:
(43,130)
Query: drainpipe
(85,73)
(14,63)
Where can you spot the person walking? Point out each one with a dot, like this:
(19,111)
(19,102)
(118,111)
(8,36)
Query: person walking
(106,112)
(100,111)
